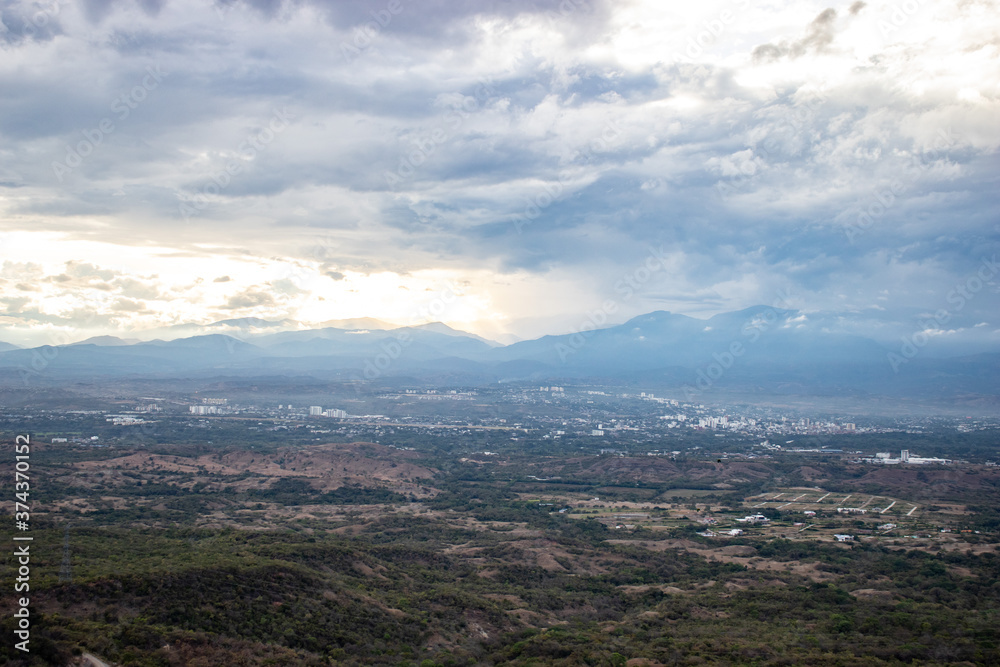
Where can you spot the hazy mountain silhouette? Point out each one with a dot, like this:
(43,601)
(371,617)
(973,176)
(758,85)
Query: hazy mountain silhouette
(755,349)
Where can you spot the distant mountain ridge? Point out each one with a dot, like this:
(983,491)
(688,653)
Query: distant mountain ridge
(109,341)
(754,349)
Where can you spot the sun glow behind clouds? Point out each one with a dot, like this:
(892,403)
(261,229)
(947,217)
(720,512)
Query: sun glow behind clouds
(134,289)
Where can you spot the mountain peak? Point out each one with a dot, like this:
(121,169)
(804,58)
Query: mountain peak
(357,323)
(244,322)
(658,317)
(107,341)
(442,328)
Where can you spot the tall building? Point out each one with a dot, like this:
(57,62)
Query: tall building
(315,411)
(904,455)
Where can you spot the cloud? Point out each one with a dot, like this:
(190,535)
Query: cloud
(128,305)
(14,304)
(537,149)
(820,34)
(26,22)
(250,299)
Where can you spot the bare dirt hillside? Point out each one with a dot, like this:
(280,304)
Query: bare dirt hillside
(652,469)
(930,483)
(327,467)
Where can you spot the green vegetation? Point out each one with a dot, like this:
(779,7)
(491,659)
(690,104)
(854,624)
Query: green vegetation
(178,563)
(408,589)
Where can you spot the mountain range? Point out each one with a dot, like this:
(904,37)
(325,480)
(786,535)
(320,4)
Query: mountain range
(759,349)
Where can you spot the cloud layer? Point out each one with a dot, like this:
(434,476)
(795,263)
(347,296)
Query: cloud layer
(168,161)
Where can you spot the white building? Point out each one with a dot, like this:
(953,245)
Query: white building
(905,457)
(203,409)
(315,411)
(844,538)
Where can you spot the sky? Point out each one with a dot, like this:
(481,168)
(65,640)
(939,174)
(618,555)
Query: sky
(509,167)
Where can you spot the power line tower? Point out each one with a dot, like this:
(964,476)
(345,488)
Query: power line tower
(66,569)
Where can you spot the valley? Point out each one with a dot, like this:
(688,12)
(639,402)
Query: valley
(220,540)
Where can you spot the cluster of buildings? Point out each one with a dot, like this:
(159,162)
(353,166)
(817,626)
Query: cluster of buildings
(732,532)
(125,420)
(92,440)
(904,457)
(318,411)
(210,406)
(753,426)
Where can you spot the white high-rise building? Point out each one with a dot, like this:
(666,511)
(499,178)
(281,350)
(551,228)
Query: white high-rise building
(315,411)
